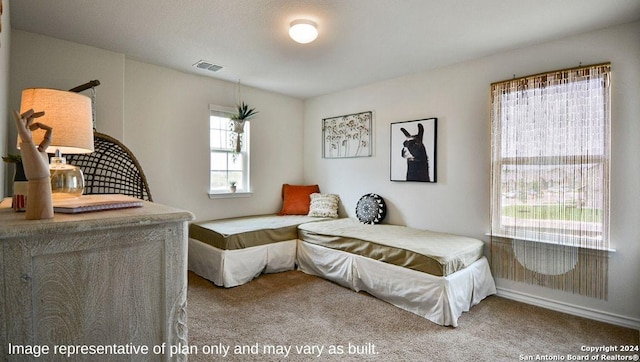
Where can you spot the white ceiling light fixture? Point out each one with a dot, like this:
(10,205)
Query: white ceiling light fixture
(303,31)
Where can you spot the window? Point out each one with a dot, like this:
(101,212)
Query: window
(226,165)
(550,157)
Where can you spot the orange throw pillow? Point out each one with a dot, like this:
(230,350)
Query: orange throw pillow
(297,198)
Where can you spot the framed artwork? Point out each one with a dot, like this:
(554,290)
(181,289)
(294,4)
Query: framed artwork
(347,136)
(413,150)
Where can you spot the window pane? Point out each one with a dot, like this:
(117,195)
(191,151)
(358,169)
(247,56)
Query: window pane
(219,180)
(219,160)
(219,134)
(218,139)
(237,177)
(235,161)
(219,122)
(553,199)
(553,121)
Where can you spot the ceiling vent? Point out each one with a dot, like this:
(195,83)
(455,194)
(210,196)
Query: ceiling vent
(203,64)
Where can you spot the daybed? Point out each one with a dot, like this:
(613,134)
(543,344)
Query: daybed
(230,252)
(437,276)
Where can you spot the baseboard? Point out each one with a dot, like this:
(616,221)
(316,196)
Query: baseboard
(570,309)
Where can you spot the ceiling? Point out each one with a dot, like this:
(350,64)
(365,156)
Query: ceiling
(359,42)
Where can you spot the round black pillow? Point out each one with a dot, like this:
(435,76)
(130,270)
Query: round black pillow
(371,209)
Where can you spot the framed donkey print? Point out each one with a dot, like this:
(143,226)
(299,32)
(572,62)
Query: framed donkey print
(413,150)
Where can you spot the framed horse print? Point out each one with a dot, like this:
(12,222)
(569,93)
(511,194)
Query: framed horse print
(413,150)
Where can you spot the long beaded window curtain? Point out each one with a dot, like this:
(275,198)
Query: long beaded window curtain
(550,142)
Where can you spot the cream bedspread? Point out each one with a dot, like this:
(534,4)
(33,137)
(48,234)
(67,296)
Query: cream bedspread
(441,300)
(431,252)
(248,231)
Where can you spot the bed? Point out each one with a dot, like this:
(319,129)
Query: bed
(435,275)
(231,252)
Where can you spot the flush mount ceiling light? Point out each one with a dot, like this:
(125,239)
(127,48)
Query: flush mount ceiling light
(303,31)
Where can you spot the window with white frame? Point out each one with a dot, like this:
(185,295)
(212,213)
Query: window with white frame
(550,157)
(227,167)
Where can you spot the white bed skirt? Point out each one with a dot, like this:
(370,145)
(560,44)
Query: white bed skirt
(229,268)
(441,300)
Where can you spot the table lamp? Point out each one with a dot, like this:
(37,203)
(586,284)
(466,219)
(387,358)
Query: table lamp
(70,116)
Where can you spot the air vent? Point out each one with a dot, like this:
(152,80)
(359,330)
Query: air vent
(203,64)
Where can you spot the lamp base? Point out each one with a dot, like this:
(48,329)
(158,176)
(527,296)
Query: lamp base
(67,181)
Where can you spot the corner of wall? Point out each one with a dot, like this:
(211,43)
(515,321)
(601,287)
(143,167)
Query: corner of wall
(5,38)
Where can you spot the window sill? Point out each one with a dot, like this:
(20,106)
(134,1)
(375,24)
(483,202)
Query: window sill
(503,236)
(229,195)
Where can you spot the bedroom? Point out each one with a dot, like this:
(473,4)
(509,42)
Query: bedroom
(140,103)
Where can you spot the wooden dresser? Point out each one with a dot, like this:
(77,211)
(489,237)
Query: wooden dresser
(109,279)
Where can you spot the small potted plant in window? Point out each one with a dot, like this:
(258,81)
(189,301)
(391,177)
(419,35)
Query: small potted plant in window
(232,186)
(237,124)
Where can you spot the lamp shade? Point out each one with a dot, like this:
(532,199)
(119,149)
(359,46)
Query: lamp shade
(68,113)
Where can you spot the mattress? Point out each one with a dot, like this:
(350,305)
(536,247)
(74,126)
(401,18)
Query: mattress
(438,254)
(248,231)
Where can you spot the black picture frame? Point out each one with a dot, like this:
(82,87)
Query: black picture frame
(411,141)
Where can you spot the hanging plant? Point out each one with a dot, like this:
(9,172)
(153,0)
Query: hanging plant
(237,124)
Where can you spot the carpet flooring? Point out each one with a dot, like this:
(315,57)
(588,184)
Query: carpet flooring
(297,317)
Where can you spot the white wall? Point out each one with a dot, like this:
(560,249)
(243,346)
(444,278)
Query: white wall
(5,114)
(167,120)
(162,115)
(458,96)
(40,61)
